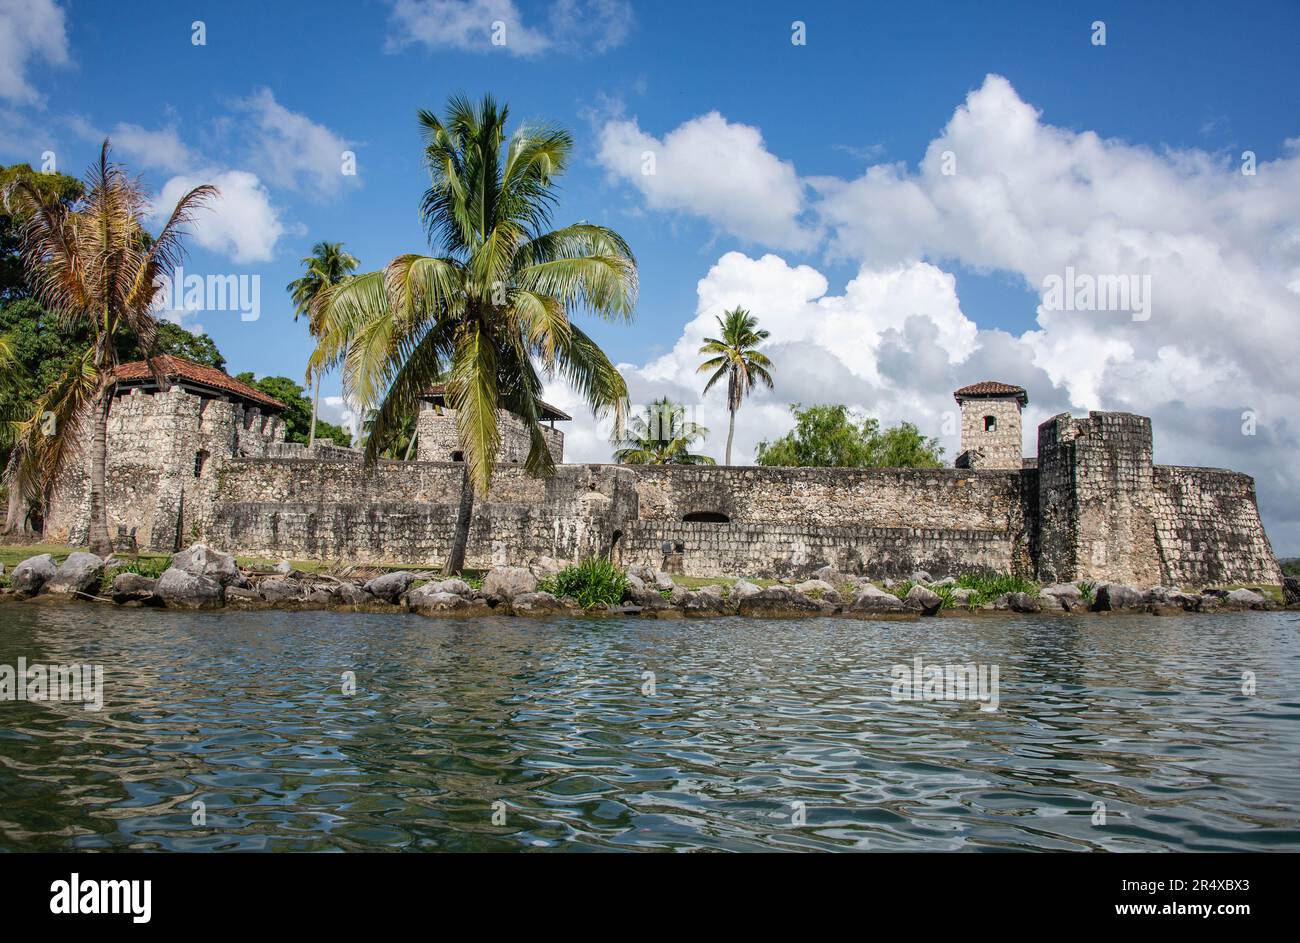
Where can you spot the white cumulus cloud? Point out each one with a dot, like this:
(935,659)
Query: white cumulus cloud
(30,31)
(290,150)
(716,169)
(242,223)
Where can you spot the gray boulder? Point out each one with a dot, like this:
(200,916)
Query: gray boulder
(921,576)
(131,588)
(782,602)
(1066,596)
(507,582)
(434,602)
(202,560)
(871,600)
(281,589)
(1024,602)
(704,603)
(946,581)
(814,586)
(284,568)
(544,567)
(79,574)
(925,601)
(390,587)
(243,597)
(1115,597)
(1245,599)
(33,573)
(742,588)
(534,604)
(455,586)
(179,589)
(961,597)
(350,594)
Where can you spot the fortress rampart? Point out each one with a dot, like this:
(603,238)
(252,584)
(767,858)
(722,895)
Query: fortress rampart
(185,466)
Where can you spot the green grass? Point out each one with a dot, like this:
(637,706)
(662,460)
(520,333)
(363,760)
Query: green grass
(593,581)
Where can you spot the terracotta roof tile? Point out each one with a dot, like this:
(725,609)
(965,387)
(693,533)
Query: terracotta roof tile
(993,388)
(176,368)
(437,391)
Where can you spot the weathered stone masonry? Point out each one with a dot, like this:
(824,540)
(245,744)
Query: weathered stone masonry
(186,465)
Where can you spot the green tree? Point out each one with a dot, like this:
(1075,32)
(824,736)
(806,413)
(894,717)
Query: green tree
(54,187)
(834,437)
(661,436)
(95,266)
(327,267)
(492,313)
(298,414)
(734,356)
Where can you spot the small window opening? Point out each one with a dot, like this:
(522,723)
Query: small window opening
(200,460)
(458,456)
(706,517)
(990,423)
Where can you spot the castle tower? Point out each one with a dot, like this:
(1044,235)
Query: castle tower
(990,425)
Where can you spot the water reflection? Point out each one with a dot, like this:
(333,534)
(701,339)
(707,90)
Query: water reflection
(751,725)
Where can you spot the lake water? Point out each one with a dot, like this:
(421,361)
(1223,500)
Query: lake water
(756,735)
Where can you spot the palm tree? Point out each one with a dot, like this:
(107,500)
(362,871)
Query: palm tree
(93,264)
(492,313)
(327,267)
(735,357)
(662,436)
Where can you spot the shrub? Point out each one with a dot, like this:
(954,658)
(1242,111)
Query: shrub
(593,581)
(987,586)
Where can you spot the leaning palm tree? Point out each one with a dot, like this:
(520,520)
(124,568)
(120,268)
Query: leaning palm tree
(662,436)
(734,356)
(94,264)
(491,314)
(327,267)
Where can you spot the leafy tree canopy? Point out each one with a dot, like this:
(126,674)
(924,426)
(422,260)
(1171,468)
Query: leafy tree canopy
(832,436)
(297,418)
(67,189)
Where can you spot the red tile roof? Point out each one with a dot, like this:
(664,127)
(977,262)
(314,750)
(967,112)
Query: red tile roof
(176,368)
(437,392)
(986,388)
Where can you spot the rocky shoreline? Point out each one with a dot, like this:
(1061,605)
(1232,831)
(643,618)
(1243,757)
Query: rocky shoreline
(202,578)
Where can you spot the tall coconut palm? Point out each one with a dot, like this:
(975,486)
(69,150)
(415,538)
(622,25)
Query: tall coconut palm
(327,267)
(95,264)
(492,312)
(661,436)
(734,356)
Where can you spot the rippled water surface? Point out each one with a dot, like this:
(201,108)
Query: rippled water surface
(758,735)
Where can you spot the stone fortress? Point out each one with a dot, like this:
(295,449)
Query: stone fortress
(206,459)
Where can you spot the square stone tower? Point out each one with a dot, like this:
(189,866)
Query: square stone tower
(990,425)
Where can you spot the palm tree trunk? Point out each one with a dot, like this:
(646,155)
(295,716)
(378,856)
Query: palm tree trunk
(315,406)
(460,541)
(100,543)
(16,515)
(410,446)
(731,432)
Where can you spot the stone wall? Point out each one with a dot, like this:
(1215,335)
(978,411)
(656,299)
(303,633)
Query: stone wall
(184,467)
(165,450)
(1208,528)
(438,441)
(405,512)
(1097,499)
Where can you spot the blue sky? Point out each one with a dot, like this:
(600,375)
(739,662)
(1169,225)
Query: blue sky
(1174,96)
